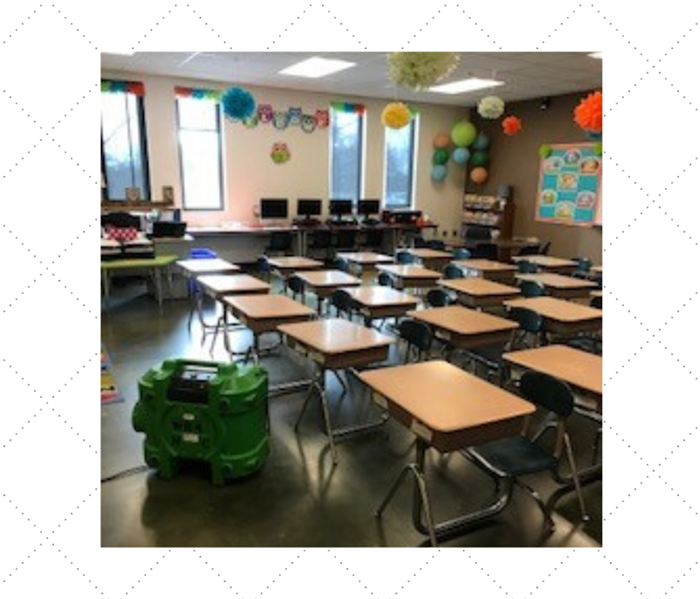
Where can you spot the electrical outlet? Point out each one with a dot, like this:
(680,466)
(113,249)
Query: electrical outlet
(454,233)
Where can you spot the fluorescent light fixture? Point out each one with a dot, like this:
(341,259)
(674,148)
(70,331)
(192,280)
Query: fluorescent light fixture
(598,55)
(117,53)
(465,85)
(317,67)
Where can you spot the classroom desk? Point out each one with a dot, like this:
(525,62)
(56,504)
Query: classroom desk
(410,276)
(286,265)
(264,314)
(597,269)
(597,293)
(335,344)
(489,269)
(376,301)
(363,261)
(324,282)
(549,263)
(431,259)
(560,316)
(448,409)
(462,328)
(153,265)
(475,292)
(559,285)
(218,286)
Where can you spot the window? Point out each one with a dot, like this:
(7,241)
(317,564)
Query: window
(399,156)
(124,162)
(346,153)
(199,133)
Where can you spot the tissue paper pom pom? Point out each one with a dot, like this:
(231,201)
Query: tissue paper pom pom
(460,155)
(480,158)
(511,125)
(491,107)
(479,175)
(439,172)
(463,134)
(441,156)
(481,142)
(396,115)
(589,113)
(545,150)
(598,148)
(420,70)
(238,104)
(442,140)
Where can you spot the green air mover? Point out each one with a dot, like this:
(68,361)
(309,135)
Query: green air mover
(206,411)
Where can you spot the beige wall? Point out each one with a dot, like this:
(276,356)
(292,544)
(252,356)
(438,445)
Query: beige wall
(250,174)
(515,161)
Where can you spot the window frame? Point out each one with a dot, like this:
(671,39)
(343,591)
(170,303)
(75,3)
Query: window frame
(361,133)
(413,149)
(143,142)
(220,134)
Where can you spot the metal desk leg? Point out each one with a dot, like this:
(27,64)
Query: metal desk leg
(105,285)
(319,385)
(169,281)
(158,284)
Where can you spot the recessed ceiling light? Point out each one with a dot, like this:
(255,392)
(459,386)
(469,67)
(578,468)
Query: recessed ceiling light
(317,67)
(598,55)
(465,85)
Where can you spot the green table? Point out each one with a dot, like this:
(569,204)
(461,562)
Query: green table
(153,265)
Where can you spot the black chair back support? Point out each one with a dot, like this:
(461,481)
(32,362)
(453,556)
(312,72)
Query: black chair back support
(462,254)
(529,250)
(544,250)
(296,285)
(529,320)
(597,302)
(385,279)
(263,265)
(549,392)
(343,302)
(452,271)
(583,264)
(340,264)
(404,257)
(436,244)
(532,289)
(417,335)
(438,298)
(526,267)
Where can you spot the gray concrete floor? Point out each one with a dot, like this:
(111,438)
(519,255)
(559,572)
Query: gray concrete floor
(297,499)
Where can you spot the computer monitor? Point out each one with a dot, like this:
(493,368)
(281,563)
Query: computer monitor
(306,207)
(274,208)
(368,207)
(340,207)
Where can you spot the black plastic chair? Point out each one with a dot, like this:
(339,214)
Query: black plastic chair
(340,264)
(264,267)
(280,242)
(452,271)
(385,279)
(418,337)
(297,286)
(486,251)
(527,267)
(513,457)
(583,268)
(438,298)
(597,302)
(404,257)
(462,254)
(529,250)
(544,250)
(343,303)
(436,244)
(532,289)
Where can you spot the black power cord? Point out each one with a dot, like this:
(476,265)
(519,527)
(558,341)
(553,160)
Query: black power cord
(125,473)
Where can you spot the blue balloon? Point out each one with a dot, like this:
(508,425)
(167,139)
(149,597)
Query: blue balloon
(439,172)
(460,155)
(481,142)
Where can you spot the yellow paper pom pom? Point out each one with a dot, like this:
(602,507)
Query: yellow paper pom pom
(396,115)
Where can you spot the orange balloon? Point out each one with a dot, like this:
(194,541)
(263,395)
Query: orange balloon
(442,140)
(479,175)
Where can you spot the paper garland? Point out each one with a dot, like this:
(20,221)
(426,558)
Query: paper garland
(115,87)
(198,93)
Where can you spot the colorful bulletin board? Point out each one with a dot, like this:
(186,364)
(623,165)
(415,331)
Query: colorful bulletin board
(571,186)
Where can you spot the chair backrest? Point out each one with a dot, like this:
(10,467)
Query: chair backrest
(527,267)
(583,264)
(385,279)
(438,298)
(544,250)
(280,241)
(419,242)
(487,251)
(340,264)
(343,302)
(452,271)
(462,254)
(544,390)
(404,257)
(529,250)
(416,334)
(597,302)
(296,284)
(263,264)
(436,244)
(529,320)
(532,289)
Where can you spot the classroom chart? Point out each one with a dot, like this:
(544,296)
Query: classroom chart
(570,185)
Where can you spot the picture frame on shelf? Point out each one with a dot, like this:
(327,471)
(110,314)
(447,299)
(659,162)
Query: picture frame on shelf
(168,194)
(133,194)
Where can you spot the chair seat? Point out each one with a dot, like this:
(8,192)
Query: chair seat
(514,456)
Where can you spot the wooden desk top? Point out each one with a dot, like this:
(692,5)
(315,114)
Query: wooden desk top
(444,397)
(557,309)
(409,271)
(545,261)
(549,279)
(335,335)
(478,287)
(579,368)
(365,257)
(230,284)
(463,321)
(485,265)
(596,293)
(329,278)
(294,263)
(378,296)
(597,269)
(259,307)
(427,253)
(208,266)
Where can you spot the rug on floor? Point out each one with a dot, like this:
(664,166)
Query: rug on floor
(110,392)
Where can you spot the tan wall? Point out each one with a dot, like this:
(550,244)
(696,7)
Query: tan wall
(250,174)
(515,161)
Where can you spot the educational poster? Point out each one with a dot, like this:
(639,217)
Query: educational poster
(570,185)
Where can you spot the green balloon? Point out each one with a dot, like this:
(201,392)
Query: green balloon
(545,151)
(463,134)
(482,142)
(598,148)
(480,158)
(441,156)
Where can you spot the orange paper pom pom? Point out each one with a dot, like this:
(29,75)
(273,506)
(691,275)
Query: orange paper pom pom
(589,113)
(511,125)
